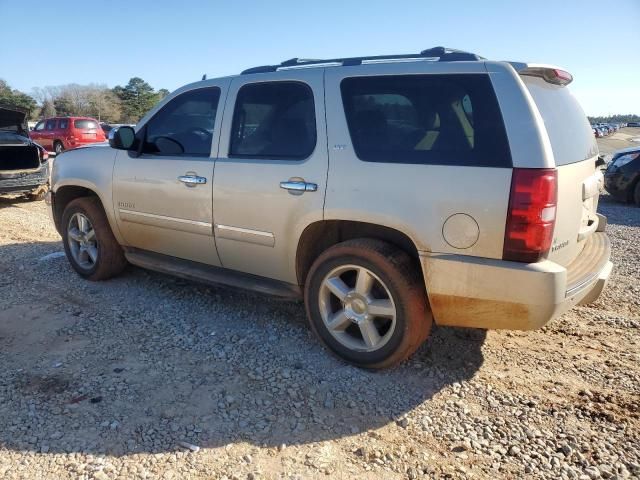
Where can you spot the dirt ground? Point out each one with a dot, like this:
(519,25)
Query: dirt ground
(148,376)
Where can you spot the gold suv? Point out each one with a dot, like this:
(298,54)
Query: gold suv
(388,192)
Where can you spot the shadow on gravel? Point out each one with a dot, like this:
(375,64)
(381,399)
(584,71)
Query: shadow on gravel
(619,213)
(145,361)
(10,200)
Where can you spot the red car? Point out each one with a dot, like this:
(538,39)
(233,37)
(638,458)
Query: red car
(63,133)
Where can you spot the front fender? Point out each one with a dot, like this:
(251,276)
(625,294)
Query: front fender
(90,168)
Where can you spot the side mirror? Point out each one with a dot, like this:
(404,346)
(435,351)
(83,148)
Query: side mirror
(122,138)
(600,162)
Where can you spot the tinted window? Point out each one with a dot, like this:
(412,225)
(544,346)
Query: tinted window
(431,119)
(51,124)
(39,127)
(85,124)
(568,127)
(184,126)
(63,123)
(274,120)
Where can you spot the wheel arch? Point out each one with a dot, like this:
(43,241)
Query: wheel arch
(632,189)
(321,235)
(64,195)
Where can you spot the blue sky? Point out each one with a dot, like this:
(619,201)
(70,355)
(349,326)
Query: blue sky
(170,43)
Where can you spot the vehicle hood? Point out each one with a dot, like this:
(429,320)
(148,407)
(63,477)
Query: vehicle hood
(627,150)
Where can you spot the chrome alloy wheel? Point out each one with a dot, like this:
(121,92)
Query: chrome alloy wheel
(82,241)
(357,308)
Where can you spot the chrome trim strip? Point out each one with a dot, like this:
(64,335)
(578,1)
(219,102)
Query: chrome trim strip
(244,230)
(162,217)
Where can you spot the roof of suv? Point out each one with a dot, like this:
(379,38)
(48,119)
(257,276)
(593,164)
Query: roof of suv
(440,54)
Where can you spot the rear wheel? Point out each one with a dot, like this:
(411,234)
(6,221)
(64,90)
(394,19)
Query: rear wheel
(366,302)
(58,147)
(88,240)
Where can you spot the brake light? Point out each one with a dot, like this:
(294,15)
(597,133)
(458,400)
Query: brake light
(549,74)
(559,76)
(532,214)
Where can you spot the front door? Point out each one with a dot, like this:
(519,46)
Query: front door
(37,134)
(163,197)
(271,171)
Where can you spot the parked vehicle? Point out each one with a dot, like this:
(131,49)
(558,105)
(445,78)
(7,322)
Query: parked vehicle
(597,133)
(24,166)
(64,133)
(386,194)
(622,177)
(633,124)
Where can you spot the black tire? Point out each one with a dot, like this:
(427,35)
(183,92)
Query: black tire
(110,256)
(403,280)
(58,147)
(636,194)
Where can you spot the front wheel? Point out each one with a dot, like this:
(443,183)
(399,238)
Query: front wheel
(88,240)
(367,303)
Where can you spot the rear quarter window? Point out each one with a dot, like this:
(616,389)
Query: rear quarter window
(567,125)
(426,119)
(85,124)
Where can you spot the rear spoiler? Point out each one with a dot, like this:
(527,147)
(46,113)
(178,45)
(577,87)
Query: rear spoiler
(549,73)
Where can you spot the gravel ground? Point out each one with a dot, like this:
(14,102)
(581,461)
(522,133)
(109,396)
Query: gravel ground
(148,376)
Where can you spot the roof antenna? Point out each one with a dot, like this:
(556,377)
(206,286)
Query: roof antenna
(204,77)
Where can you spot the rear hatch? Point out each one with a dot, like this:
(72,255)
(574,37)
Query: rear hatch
(575,151)
(88,130)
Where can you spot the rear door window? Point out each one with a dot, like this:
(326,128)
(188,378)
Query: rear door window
(63,123)
(85,124)
(426,119)
(274,120)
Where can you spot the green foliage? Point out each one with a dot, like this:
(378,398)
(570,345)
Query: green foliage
(136,98)
(15,98)
(615,119)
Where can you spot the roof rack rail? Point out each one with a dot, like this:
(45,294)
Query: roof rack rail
(443,54)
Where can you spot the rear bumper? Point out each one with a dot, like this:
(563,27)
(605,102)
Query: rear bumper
(495,294)
(24,181)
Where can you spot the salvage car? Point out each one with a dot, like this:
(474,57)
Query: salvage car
(64,133)
(388,192)
(622,177)
(24,165)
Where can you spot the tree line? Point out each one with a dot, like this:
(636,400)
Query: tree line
(121,104)
(615,119)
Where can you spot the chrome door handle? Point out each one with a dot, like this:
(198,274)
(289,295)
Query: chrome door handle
(299,186)
(192,180)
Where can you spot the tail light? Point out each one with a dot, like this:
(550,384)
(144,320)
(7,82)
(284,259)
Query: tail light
(532,214)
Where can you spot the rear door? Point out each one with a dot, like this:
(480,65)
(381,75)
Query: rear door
(575,152)
(271,173)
